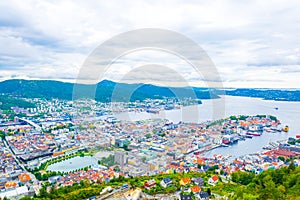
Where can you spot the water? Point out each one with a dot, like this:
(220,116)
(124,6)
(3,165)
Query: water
(73,164)
(288,113)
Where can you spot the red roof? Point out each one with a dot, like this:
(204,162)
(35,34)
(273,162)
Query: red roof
(195,188)
(215,178)
(281,152)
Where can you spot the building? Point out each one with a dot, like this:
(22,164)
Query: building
(166,182)
(213,180)
(204,195)
(185,197)
(195,189)
(185,181)
(120,158)
(150,184)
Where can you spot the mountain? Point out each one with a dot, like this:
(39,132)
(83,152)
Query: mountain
(267,94)
(104,91)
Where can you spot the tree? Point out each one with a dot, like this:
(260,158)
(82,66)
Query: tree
(144,159)
(43,192)
(292,166)
(209,191)
(281,158)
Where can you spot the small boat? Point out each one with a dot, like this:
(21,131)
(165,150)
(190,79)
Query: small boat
(285,129)
(255,133)
(225,140)
(267,129)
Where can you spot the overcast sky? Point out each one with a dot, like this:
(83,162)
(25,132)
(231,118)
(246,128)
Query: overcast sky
(252,43)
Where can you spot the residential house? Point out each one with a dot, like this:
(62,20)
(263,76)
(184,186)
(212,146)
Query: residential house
(150,184)
(213,180)
(198,181)
(185,197)
(185,181)
(166,182)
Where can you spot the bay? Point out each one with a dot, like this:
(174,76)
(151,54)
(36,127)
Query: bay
(288,112)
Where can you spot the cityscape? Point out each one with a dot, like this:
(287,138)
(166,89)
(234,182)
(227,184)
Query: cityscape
(62,143)
(149,100)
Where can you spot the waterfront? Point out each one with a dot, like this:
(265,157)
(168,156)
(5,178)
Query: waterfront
(73,164)
(287,112)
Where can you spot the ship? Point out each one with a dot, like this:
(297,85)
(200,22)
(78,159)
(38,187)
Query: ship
(228,139)
(225,140)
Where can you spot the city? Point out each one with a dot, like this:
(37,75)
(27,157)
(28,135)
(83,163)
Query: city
(61,143)
(149,100)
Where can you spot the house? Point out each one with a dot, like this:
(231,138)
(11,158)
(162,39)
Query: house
(24,178)
(185,197)
(150,184)
(54,179)
(166,182)
(198,181)
(204,195)
(10,184)
(213,180)
(185,181)
(195,189)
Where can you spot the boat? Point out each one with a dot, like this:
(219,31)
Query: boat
(267,147)
(229,139)
(152,111)
(225,140)
(285,129)
(254,133)
(267,129)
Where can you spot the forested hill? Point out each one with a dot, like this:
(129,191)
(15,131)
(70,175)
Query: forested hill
(104,90)
(267,94)
(6,102)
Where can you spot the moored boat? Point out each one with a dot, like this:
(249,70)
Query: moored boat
(285,129)
(254,133)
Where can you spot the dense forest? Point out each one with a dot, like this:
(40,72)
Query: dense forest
(283,183)
(6,102)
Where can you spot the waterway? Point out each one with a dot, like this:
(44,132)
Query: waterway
(287,112)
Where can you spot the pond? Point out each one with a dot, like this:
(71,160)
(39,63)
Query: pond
(73,164)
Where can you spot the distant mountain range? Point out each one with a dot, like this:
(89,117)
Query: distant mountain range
(268,94)
(106,91)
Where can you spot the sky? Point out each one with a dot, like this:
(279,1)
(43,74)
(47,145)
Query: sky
(251,43)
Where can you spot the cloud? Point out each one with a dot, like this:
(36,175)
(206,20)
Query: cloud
(250,42)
